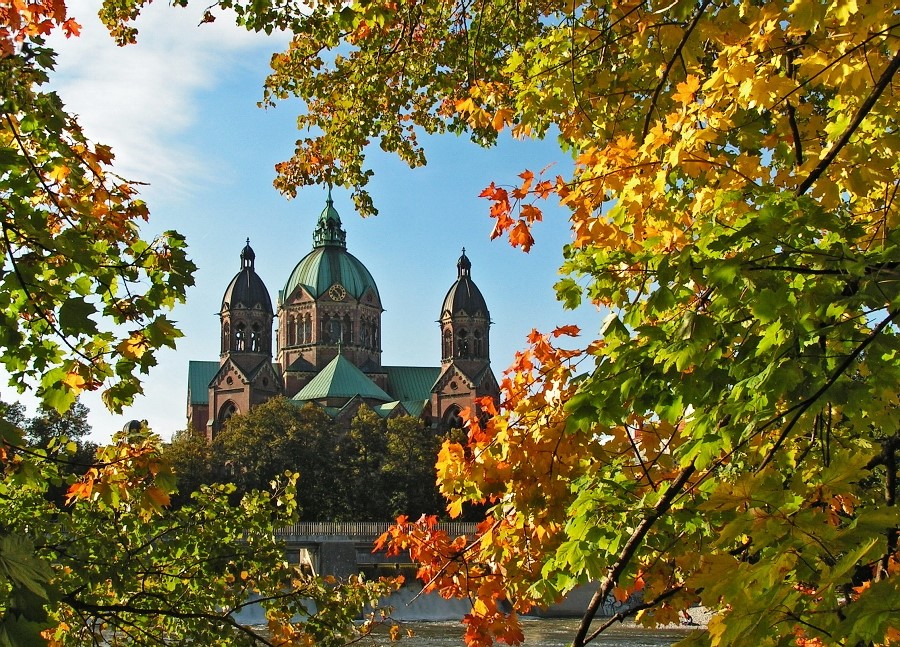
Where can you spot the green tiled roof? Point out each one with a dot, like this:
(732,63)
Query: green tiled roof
(341,379)
(384,410)
(411,382)
(200,374)
(326,266)
(414,407)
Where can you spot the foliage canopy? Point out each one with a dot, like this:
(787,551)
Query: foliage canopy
(80,290)
(81,294)
(373,470)
(731,435)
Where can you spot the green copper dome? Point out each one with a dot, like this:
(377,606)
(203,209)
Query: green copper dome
(329,263)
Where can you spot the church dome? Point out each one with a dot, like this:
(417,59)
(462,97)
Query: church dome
(464,296)
(329,263)
(246,289)
(327,266)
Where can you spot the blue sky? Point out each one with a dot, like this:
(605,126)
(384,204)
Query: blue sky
(179,109)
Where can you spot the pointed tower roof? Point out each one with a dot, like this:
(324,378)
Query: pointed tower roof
(329,231)
(464,296)
(246,289)
(341,379)
(329,263)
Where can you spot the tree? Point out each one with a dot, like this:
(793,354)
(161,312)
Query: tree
(191,458)
(62,438)
(278,437)
(81,289)
(81,295)
(126,569)
(361,451)
(731,436)
(372,470)
(408,468)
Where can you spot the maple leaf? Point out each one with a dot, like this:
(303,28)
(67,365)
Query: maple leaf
(520,236)
(686,91)
(71,28)
(570,330)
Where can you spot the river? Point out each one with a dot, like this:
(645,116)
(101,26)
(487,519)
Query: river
(544,632)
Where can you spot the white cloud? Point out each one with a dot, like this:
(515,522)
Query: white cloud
(140,99)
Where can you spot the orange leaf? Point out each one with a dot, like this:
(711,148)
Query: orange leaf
(158,498)
(71,28)
(570,330)
(521,236)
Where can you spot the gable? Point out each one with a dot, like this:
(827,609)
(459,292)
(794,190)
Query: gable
(341,379)
(451,376)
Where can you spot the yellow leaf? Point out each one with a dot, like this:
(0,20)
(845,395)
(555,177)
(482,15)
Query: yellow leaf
(74,381)
(134,347)
(685,92)
(501,118)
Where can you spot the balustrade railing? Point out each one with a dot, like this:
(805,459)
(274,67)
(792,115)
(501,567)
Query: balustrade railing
(362,530)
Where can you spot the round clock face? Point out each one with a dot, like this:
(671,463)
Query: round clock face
(337,292)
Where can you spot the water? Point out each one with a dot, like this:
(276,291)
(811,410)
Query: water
(545,632)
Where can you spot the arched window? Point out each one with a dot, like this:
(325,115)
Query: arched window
(307,329)
(347,331)
(227,411)
(291,331)
(364,332)
(226,337)
(462,343)
(479,344)
(448,344)
(334,330)
(240,338)
(255,344)
(452,419)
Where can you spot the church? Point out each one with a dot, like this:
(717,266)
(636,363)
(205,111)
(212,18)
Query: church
(327,348)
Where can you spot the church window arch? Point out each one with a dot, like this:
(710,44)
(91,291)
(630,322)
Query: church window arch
(334,330)
(347,330)
(451,418)
(448,343)
(478,344)
(364,332)
(226,337)
(227,411)
(240,337)
(307,328)
(462,343)
(255,342)
(291,331)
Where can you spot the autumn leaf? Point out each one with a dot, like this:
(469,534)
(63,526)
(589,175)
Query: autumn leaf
(520,236)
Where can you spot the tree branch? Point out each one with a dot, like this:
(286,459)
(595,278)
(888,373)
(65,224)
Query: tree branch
(621,615)
(802,407)
(861,114)
(665,76)
(624,558)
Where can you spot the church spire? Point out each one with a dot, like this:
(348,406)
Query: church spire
(329,231)
(248,256)
(464,265)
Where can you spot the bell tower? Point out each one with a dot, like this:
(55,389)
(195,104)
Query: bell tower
(245,377)
(465,349)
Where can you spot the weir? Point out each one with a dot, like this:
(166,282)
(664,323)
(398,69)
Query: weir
(344,548)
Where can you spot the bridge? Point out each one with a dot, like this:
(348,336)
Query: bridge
(344,548)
